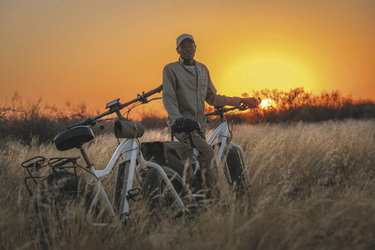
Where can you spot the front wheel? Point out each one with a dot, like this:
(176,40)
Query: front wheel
(159,197)
(236,171)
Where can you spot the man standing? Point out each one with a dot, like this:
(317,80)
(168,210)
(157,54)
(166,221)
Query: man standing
(186,87)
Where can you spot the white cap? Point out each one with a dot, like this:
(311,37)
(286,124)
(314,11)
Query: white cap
(183,37)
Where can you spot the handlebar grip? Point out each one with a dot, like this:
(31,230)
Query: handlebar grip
(160,88)
(154,91)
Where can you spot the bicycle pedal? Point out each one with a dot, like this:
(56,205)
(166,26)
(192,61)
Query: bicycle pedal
(202,196)
(134,193)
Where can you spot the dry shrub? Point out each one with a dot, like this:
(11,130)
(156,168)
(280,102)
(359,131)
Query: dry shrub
(22,121)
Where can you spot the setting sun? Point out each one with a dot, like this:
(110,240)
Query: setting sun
(267,103)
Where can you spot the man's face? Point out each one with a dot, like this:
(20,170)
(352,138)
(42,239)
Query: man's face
(186,49)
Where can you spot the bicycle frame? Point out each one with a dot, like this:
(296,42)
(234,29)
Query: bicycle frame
(132,155)
(78,134)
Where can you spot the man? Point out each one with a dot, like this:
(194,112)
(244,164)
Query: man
(186,87)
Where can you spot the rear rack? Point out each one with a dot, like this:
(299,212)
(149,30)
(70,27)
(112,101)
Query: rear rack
(35,164)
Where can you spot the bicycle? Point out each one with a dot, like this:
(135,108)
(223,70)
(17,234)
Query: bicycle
(62,183)
(228,155)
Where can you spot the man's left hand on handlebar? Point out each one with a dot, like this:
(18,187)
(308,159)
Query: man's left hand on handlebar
(251,102)
(180,122)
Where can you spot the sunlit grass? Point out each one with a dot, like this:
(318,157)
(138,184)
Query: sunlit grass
(313,187)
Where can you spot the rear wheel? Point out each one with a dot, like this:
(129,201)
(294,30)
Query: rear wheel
(56,194)
(159,197)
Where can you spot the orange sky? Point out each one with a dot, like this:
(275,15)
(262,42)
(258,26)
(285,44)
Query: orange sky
(90,51)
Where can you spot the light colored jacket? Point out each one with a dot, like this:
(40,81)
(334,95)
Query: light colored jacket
(185,94)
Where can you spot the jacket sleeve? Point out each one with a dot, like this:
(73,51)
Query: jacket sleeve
(169,94)
(213,99)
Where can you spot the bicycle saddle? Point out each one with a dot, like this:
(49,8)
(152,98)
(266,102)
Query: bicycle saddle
(189,126)
(73,137)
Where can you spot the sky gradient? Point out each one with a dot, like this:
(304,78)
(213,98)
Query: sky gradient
(90,51)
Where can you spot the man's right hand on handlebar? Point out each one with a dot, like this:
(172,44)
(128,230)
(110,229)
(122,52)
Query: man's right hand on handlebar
(251,102)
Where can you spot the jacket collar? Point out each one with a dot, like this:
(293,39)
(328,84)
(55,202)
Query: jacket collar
(182,61)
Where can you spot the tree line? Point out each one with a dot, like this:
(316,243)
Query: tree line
(33,121)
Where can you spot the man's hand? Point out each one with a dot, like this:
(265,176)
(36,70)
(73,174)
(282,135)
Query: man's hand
(251,102)
(180,122)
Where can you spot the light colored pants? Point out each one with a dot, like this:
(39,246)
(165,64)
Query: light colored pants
(207,161)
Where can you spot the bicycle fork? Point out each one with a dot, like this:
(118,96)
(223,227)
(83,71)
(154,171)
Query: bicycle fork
(165,178)
(126,174)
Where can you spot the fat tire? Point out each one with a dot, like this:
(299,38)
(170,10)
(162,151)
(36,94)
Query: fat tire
(236,171)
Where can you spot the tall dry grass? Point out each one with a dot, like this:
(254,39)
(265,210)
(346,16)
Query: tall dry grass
(313,187)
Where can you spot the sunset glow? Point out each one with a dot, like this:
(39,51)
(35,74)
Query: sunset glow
(267,71)
(92,52)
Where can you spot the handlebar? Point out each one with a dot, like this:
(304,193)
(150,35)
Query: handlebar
(116,107)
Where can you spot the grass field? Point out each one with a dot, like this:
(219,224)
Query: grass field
(313,187)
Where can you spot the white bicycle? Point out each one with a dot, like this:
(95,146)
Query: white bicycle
(229,156)
(63,185)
